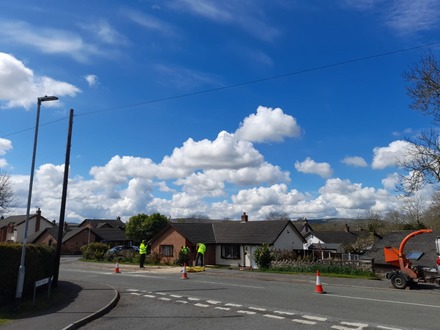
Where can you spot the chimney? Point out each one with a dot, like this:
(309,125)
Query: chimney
(38,221)
(244,217)
(347,229)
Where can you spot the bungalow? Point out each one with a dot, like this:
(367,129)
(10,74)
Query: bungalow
(228,242)
(13,227)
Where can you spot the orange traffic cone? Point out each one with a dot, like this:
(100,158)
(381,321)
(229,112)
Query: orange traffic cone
(184,274)
(117,266)
(319,288)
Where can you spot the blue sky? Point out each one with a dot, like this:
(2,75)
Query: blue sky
(212,108)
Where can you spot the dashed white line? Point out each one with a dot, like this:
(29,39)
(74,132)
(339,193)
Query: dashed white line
(354,324)
(315,318)
(164,299)
(182,301)
(213,302)
(175,296)
(193,299)
(274,316)
(284,313)
(201,305)
(304,321)
(222,308)
(149,296)
(387,328)
(233,305)
(246,312)
(358,326)
(135,293)
(257,309)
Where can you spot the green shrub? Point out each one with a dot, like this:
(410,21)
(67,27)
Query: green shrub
(94,251)
(263,256)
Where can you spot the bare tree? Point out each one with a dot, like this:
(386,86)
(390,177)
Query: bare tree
(422,161)
(424,88)
(274,215)
(6,192)
(413,208)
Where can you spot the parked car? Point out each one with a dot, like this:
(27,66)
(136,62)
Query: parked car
(121,249)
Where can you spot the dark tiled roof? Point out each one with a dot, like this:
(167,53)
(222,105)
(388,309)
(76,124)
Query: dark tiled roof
(99,223)
(196,232)
(423,243)
(251,232)
(233,232)
(52,231)
(111,234)
(18,219)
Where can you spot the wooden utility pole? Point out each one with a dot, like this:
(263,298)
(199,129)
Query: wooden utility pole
(63,204)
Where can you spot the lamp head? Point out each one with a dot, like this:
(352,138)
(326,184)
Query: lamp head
(47,98)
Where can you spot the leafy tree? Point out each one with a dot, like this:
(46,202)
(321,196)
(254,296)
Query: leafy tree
(422,161)
(6,192)
(144,227)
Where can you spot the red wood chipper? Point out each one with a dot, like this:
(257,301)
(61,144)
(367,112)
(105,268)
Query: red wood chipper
(407,274)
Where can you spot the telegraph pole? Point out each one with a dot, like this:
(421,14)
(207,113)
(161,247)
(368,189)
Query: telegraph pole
(63,204)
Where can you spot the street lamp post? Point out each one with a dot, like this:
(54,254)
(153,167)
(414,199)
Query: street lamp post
(21,269)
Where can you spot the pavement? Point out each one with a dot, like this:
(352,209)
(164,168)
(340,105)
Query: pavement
(81,303)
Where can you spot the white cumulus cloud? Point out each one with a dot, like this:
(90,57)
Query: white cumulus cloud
(355,161)
(268,125)
(19,87)
(309,166)
(388,156)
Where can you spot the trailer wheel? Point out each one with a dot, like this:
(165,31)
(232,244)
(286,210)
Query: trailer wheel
(399,281)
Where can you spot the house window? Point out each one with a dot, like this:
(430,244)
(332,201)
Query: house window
(166,250)
(231,251)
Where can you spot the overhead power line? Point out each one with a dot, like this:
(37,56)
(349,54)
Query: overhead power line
(250,82)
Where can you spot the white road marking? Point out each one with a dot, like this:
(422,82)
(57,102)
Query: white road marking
(201,305)
(304,321)
(284,313)
(387,328)
(222,308)
(161,293)
(257,309)
(149,296)
(182,301)
(274,316)
(359,325)
(214,302)
(175,296)
(315,318)
(193,299)
(233,305)
(136,293)
(246,312)
(164,299)
(132,290)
